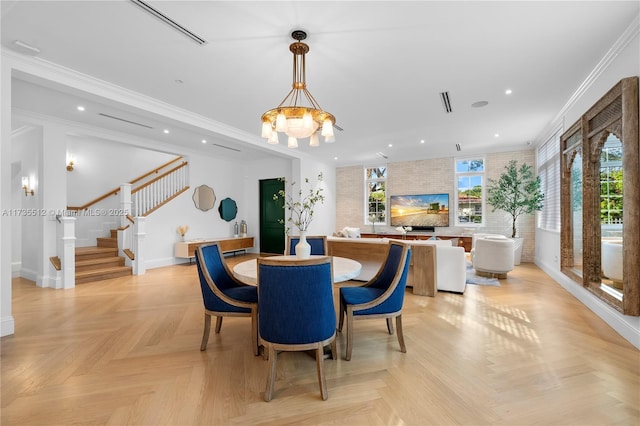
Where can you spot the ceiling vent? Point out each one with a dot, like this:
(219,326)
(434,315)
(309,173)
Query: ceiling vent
(164,18)
(458,147)
(446,102)
(113,117)
(381,155)
(227,147)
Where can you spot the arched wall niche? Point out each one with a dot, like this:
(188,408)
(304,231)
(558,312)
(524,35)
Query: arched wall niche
(616,113)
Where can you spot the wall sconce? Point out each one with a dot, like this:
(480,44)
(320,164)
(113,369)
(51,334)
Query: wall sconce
(71,161)
(28,188)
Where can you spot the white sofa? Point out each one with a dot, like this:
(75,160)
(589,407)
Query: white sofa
(449,262)
(451,270)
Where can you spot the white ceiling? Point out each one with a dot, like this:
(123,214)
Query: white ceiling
(377,66)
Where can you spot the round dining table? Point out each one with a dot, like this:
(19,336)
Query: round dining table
(344,269)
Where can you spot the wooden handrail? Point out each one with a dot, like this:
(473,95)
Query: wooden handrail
(133,191)
(156,170)
(92,202)
(117,190)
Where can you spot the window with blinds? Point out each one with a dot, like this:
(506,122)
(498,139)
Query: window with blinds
(549,172)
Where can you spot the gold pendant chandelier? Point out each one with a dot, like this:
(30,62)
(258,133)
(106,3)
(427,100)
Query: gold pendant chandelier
(298,115)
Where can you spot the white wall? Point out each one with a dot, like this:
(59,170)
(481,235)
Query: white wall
(618,64)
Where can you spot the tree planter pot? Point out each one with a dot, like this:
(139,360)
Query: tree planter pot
(518,243)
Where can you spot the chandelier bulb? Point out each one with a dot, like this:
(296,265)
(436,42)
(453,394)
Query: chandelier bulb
(266,129)
(292,142)
(273,139)
(327,128)
(313,140)
(307,121)
(329,139)
(281,122)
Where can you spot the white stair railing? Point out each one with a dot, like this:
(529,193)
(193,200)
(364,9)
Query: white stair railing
(153,194)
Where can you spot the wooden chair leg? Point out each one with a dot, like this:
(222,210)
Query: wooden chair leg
(271,378)
(390,325)
(218,324)
(349,334)
(403,348)
(254,331)
(320,367)
(207,330)
(341,321)
(334,349)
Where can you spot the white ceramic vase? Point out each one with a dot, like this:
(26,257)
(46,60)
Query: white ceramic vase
(303,248)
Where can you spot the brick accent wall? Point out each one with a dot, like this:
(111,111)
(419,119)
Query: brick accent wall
(434,175)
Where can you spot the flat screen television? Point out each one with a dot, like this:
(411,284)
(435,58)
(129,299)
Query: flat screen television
(422,212)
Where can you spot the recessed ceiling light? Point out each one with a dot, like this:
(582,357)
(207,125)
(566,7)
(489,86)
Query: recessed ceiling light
(422,141)
(335,158)
(204,141)
(390,145)
(480,104)
(166,131)
(497,135)
(508,92)
(80,108)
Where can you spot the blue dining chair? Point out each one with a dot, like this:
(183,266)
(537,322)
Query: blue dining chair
(296,311)
(318,245)
(224,295)
(381,297)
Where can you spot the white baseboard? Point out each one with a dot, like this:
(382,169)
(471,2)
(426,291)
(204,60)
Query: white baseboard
(16,267)
(7,325)
(625,325)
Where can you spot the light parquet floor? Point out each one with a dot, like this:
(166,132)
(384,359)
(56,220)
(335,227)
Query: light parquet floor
(126,352)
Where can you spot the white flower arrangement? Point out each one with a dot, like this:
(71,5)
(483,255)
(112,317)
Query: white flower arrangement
(404,229)
(301,208)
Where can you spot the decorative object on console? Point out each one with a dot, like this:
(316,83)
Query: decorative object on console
(403,230)
(182,230)
(298,115)
(204,198)
(228,209)
(243,228)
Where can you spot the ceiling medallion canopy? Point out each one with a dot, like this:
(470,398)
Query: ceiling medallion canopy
(298,115)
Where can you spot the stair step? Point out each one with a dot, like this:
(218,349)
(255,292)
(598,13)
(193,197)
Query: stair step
(99,263)
(107,242)
(102,274)
(84,253)
(113,233)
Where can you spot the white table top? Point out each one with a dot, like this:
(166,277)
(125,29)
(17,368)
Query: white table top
(343,269)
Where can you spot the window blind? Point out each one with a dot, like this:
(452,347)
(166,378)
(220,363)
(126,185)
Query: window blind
(548,160)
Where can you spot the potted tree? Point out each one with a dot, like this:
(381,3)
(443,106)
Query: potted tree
(517,192)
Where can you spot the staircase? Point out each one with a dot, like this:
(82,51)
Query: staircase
(101,262)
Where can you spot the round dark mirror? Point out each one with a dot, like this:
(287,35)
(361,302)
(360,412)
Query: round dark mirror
(228,209)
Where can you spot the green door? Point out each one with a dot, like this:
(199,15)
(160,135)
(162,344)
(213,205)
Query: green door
(271,217)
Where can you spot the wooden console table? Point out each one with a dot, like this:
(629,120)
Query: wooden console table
(187,249)
(463,240)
